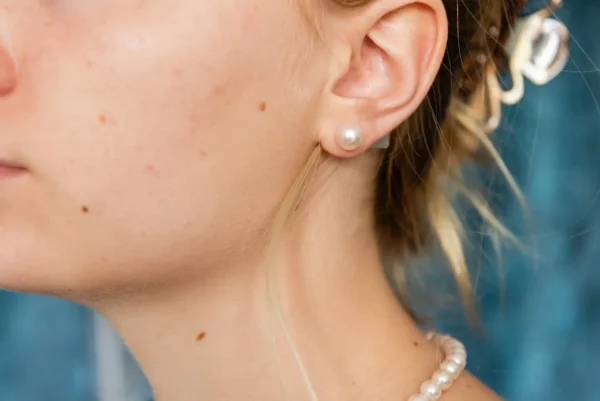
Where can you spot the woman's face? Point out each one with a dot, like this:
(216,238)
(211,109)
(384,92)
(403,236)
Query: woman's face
(158,135)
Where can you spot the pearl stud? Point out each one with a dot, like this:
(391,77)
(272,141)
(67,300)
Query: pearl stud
(350,137)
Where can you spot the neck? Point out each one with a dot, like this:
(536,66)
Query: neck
(219,338)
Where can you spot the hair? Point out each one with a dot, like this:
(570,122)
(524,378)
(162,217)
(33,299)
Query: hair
(413,199)
(419,174)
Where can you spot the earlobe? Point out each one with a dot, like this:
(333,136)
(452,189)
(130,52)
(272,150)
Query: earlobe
(390,72)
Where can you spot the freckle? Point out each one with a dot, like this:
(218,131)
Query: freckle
(102,119)
(219,89)
(200,336)
(152,170)
(262,106)
(85,209)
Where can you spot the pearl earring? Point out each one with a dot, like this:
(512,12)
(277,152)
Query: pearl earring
(350,137)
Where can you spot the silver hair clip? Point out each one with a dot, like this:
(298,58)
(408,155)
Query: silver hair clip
(537,49)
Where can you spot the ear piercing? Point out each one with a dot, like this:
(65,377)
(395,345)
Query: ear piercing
(350,137)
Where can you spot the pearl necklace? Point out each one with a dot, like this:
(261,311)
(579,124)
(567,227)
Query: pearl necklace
(455,360)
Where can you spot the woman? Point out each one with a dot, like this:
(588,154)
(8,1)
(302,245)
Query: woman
(219,180)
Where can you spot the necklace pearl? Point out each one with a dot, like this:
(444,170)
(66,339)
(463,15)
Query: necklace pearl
(418,397)
(443,379)
(454,363)
(431,390)
(459,359)
(451,368)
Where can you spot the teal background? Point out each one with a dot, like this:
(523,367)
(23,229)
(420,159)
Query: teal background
(543,344)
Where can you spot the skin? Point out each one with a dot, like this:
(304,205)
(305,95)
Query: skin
(156,141)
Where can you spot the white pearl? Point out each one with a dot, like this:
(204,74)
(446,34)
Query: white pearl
(446,339)
(431,390)
(457,348)
(452,368)
(459,359)
(452,344)
(443,379)
(350,137)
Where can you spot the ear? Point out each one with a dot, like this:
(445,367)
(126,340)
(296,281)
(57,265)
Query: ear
(392,51)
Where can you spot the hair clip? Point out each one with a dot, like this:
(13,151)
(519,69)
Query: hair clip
(537,49)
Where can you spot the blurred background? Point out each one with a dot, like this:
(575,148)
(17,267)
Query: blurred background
(541,313)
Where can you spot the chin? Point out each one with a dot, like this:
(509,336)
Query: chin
(55,279)
(41,267)
(32,279)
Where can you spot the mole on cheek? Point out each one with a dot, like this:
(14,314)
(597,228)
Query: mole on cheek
(200,336)
(262,106)
(85,209)
(218,89)
(152,170)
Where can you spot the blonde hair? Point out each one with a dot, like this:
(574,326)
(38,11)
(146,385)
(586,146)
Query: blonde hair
(420,172)
(414,198)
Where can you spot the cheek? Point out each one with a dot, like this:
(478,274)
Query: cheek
(149,127)
(143,140)
(131,99)
(130,125)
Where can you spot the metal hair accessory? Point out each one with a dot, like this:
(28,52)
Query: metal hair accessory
(537,49)
(534,46)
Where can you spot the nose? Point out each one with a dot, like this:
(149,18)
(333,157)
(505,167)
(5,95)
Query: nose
(8,71)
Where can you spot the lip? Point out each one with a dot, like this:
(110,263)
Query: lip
(10,170)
